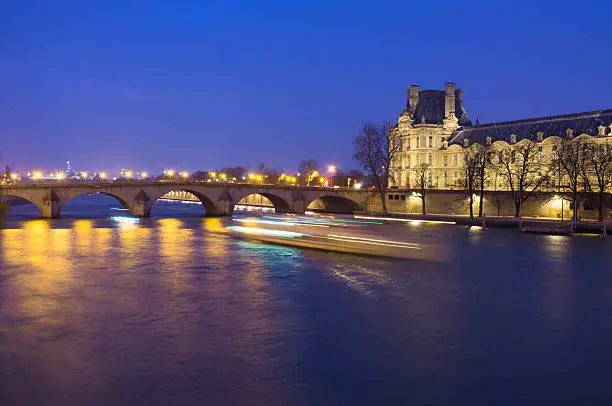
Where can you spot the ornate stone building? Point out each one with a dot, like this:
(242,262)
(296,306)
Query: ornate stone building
(434,129)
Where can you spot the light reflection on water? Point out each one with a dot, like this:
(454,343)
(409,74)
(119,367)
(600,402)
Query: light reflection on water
(173,311)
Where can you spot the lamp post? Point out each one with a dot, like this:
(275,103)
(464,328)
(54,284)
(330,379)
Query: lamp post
(331,169)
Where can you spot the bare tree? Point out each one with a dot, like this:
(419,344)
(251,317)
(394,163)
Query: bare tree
(522,169)
(422,173)
(470,176)
(306,168)
(598,171)
(483,162)
(571,161)
(375,151)
(498,201)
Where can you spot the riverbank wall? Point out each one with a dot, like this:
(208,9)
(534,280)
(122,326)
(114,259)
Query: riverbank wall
(498,204)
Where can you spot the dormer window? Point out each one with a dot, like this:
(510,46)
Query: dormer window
(489,140)
(601,131)
(540,136)
(466,142)
(513,138)
(569,132)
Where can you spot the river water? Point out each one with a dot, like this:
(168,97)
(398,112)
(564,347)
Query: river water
(169,312)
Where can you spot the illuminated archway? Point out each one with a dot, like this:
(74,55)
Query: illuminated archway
(333,204)
(183,203)
(255,202)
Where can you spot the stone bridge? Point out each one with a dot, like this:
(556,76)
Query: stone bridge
(217,199)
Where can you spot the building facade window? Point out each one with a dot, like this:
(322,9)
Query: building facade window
(540,154)
(555,153)
(513,157)
(455,160)
(430,159)
(429,179)
(445,160)
(430,142)
(418,142)
(401,144)
(408,163)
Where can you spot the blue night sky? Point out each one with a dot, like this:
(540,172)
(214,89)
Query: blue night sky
(199,85)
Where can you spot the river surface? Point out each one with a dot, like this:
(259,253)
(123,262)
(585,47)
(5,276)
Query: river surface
(170,312)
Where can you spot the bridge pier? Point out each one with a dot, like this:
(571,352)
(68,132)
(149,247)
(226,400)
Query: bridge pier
(141,205)
(50,209)
(141,209)
(223,208)
(51,206)
(298,207)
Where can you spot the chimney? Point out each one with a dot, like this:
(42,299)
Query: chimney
(449,109)
(413,97)
(459,96)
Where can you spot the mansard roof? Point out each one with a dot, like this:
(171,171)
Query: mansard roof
(431,106)
(580,123)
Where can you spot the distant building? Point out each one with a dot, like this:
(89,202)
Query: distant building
(435,129)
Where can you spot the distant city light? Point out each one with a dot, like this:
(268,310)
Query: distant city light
(128,174)
(169,172)
(331,169)
(102,175)
(357,186)
(185,174)
(144,175)
(84,175)
(59,176)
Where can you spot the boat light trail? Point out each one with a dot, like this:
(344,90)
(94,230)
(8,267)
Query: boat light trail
(375,242)
(320,220)
(278,223)
(405,220)
(125,219)
(266,232)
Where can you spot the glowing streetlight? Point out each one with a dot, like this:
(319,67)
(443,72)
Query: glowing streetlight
(144,175)
(59,176)
(331,169)
(102,175)
(128,174)
(13,176)
(37,175)
(185,174)
(170,173)
(84,175)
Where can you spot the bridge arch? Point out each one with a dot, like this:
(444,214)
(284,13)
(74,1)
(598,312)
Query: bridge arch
(334,204)
(280,204)
(210,208)
(124,204)
(15,200)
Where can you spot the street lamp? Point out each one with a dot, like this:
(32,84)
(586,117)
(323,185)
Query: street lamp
(331,169)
